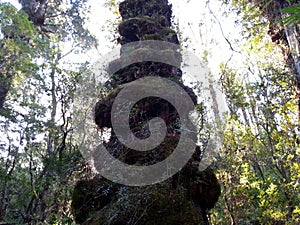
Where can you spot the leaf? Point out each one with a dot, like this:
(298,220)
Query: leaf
(290,10)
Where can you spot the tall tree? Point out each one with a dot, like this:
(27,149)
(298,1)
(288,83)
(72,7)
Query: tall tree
(181,199)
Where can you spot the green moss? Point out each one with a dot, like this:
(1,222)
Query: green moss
(103,108)
(89,196)
(138,27)
(150,205)
(141,8)
(146,28)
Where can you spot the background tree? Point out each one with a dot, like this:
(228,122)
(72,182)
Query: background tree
(39,157)
(259,162)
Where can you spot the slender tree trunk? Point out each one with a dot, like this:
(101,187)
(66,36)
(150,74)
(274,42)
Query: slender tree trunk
(292,35)
(4,88)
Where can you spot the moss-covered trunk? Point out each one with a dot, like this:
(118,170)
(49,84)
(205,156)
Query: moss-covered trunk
(182,199)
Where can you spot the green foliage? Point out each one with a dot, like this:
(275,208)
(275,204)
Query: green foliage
(15,23)
(39,157)
(259,162)
(18,37)
(294,15)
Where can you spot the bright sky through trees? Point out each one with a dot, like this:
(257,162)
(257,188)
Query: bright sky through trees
(201,24)
(198,26)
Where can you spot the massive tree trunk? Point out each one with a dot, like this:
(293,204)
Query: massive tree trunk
(180,200)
